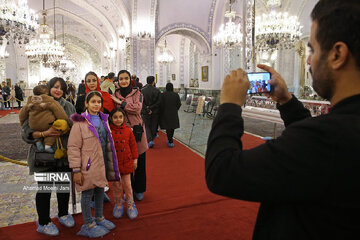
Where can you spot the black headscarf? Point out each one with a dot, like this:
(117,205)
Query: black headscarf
(169,87)
(127,90)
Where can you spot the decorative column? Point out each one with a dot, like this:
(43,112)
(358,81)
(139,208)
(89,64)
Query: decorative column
(182,61)
(143,38)
(21,62)
(249,35)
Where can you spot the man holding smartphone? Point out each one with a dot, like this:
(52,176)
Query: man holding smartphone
(308,179)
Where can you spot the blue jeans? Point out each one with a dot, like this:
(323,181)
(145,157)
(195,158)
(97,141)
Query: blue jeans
(85,203)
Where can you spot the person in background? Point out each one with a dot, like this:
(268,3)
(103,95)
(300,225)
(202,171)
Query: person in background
(133,81)
(70,94)
(169,107)
(6,94)
(81,89)
(1,100)
(131,100)
(108,85)
(19,95)
(151,109)
(307,179)
(102,79)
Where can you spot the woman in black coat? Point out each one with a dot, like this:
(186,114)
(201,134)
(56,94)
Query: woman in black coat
(169,118)
(18,95)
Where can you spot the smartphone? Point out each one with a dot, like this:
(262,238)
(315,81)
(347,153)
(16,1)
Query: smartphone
(259,82)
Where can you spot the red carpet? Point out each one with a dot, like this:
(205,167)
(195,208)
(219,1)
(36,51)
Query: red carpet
(177,204)
(3,113)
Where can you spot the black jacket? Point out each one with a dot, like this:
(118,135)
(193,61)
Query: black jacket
(151,98)
(19,94)
(82,89)
(6,90)
(170,104)
(307,180)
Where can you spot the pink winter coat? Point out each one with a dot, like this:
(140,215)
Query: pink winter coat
(133,106)
(85,152)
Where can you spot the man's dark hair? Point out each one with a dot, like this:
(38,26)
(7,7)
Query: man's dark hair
(106,77)
(169,87)
(150,79)
(82,81)
(337,21)
(40,89)
(111,75)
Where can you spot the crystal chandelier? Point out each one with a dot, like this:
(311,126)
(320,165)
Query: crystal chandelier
(229,36)
(66,65)
(276,31)
(17,21)
(44,49)
(165,57)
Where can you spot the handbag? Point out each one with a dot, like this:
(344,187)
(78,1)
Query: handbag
(44,159)
(138,131)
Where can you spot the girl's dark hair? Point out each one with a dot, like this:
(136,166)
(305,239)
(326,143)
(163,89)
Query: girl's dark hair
(124,71)
(53,81)
(115,110)
(90,94)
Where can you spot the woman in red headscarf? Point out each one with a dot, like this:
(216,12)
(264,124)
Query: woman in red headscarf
(92,83)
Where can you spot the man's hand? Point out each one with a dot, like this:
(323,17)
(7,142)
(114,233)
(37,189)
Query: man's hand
(235,87)
(78,178)
(280,91)
(135,164)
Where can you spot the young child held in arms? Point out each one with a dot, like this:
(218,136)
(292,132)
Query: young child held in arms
(93,163)
(127,155)
(42,110)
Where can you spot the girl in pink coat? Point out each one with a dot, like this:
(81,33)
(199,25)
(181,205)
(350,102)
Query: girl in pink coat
(92,157)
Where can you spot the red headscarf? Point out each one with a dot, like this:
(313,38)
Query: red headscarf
(108,103)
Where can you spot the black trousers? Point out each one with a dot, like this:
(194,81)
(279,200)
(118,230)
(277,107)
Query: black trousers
(170,134)
(151,125)
(42,200)
(19,104)
(5,98)
(138,180)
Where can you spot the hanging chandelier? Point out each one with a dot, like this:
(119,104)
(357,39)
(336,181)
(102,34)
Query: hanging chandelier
(229,35)
(166,56)
(276,31)
(66,65)
(17,21)
(44,49)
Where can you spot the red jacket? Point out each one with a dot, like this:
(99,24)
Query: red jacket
(126,147)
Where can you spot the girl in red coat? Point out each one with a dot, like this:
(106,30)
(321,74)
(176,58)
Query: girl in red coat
(127,155)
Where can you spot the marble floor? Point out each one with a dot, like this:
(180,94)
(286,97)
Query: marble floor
(18,206)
